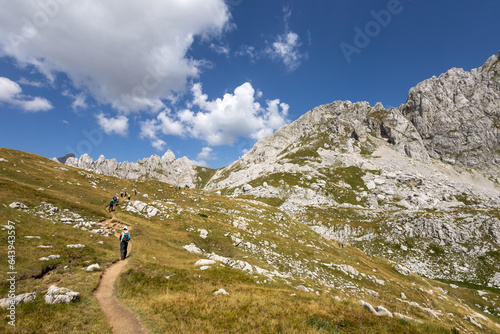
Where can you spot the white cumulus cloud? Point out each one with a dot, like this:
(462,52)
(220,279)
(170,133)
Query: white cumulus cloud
(221,121)
(11,93)
(118,124)
(128,53)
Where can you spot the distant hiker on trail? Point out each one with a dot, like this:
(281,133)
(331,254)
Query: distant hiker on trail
(111,206)
(125,195)
(124,239)
(129,197)
(121,194)
(135,192)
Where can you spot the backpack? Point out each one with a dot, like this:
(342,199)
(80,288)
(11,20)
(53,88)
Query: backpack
(125,237)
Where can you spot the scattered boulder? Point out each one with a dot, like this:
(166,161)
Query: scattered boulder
(141,207)
(56,295)
(379,310)
(382,311)
(75,246)
(221,292)
(136,206)
(152,211)
(50,257)
(246,188)
(403,270)
(203,233)
(22,298)
(92,267)
(367,306)
(204,262)
(18,205)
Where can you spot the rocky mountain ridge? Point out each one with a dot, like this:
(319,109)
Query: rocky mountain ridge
(165,169)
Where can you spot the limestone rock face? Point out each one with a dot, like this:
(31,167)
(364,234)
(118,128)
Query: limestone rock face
(458,115)
(166,169)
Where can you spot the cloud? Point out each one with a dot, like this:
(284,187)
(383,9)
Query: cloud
(79,100)
(248,51)
(11,93)
(159,144)
(221,121)
(206,154)
(26,82)
(285,47)
(221,49)
(286,50)
(126,53)
(118,125)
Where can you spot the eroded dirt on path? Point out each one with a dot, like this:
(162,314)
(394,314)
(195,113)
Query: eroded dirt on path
(121,319)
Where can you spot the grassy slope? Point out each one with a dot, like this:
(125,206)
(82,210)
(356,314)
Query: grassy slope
(161,282)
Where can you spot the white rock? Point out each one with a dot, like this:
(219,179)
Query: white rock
(220,292)
(18,205)
(370,185)
(22,298)
(57,295)
(75,246)
(382,311)
(192,248)
(204,262)
(152,211)
(203,233)
(92,267)
(367,306)
(403,270)
(246,188)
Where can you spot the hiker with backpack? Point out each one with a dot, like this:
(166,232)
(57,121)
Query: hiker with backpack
(111,205)
(124,239)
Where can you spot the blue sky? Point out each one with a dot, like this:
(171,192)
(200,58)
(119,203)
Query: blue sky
(207,78)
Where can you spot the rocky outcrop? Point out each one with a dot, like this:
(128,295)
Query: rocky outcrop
(458,115)
(342,126)
(142,208)
(56,295)
(166,169)
(65,158)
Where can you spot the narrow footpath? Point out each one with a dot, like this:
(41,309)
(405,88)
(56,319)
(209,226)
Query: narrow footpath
(122,319)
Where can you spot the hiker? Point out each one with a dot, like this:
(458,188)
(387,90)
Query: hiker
(129,197)
(111,205)
(125,195)
(135,192)
(121,194)
(124,239)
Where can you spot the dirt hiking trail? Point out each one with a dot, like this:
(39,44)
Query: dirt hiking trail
(121,319)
